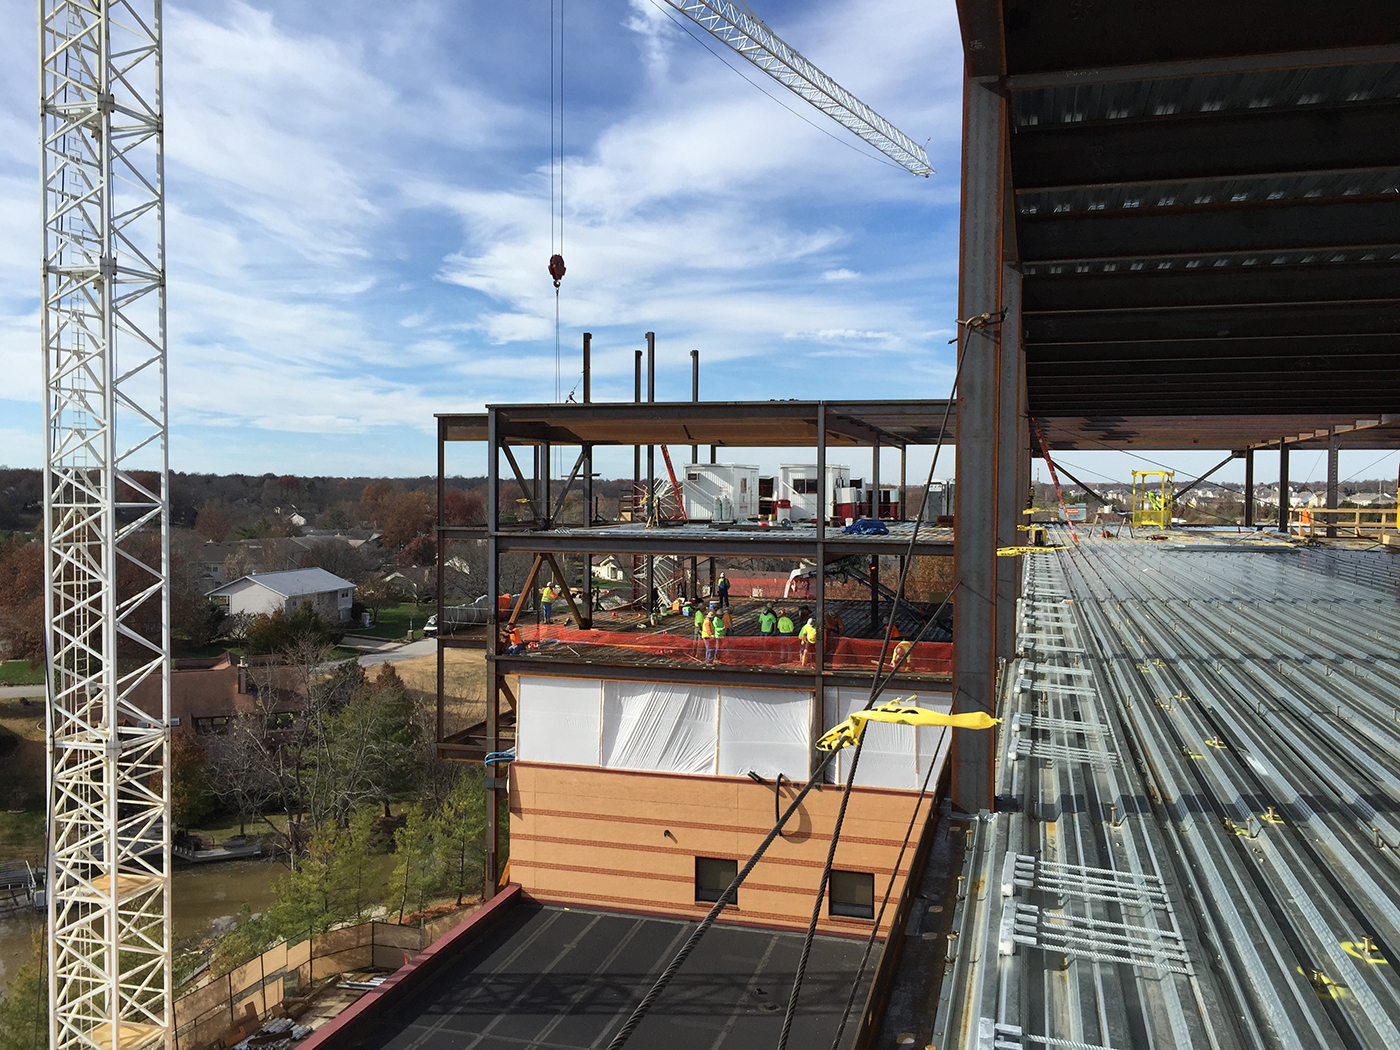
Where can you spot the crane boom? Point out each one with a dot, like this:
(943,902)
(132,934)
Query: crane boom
(752,39)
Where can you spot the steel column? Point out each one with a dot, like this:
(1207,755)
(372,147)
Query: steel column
(695,395)
(588,482)
(979,291)
(1282,485)
(875,480)
(493,588)
(819,650)
(1332,458)
(441,571)
(1249,488)
(1010,491)
(651,475)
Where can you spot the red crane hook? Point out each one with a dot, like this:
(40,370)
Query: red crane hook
(556,269)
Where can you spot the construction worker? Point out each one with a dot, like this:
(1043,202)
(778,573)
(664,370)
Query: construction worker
(807,639)
(547,597)
(726,615)
(515,641)
(767,621)
(722,588)
(721,624)
(786,629)
(707,635)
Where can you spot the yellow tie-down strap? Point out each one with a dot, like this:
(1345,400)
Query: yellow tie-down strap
(903,712)
(1011,552)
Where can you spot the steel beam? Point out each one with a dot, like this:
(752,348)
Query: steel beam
(722,544)
(1181,231)
(1048,47)
(979,291)
(1198,146)
(1200,287)
(694,674)
(491,875)
(1158,326)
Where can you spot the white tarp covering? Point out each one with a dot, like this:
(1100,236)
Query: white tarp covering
(894,756)
(558,720)
(668,728)
(764,730)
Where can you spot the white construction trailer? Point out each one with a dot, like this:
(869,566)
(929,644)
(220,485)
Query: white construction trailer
(706,483)
(797,483)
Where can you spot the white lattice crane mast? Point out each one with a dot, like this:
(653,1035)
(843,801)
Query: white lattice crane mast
(748,35)
(106,523)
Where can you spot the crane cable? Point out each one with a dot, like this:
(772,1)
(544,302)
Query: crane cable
(817,901)
(556,218)
(876,684)
(884,902)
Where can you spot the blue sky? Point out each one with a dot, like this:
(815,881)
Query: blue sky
(359,221)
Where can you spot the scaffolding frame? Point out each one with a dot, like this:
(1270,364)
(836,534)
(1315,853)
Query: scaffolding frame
(1153,491)
(106,522)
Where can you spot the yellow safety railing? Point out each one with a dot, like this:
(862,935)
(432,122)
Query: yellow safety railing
(1354,522)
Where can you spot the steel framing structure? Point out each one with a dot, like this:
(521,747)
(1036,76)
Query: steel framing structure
(106,522)
(818,425)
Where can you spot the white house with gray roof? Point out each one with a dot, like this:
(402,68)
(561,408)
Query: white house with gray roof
(265,592)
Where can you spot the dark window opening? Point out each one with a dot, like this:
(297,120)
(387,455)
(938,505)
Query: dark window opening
(852,894)
(712,878)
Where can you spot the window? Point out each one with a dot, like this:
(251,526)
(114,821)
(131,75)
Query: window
(712,878)
(852,894)
(804,486)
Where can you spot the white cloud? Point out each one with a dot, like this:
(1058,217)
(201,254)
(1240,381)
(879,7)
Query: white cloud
(842,274)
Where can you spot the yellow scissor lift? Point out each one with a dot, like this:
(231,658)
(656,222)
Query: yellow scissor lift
(1152,498)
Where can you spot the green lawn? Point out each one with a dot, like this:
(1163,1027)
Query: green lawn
(393,621)
(18,672)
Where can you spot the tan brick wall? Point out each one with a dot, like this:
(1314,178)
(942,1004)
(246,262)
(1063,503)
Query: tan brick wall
(596,837)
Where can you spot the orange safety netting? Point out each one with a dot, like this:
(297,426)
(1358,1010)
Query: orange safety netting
(748,651)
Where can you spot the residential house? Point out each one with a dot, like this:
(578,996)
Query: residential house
(265,592)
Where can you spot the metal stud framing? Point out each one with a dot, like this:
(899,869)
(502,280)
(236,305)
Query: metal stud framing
(106,527)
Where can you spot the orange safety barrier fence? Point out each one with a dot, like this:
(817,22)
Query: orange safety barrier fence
(842,653)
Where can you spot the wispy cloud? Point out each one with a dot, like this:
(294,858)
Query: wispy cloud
(358,217)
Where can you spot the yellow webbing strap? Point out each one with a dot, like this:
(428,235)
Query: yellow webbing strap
(849,732)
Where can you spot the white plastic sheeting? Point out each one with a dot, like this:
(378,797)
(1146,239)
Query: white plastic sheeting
(894,756)
(559,720)
(665,727)
(764,730)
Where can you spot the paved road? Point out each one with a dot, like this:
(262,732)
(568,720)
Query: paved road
(16,692)
(426,647)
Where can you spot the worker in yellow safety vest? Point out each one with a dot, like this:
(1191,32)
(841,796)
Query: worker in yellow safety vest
(807,639)
(547,596)
(707,635)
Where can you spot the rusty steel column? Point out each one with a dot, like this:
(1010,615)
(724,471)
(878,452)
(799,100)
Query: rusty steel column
(979,292)
(1282,485)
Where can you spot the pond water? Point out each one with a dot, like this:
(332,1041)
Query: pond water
(203,894)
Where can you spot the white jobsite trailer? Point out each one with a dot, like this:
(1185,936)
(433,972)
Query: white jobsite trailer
(733,485)
(797,483)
